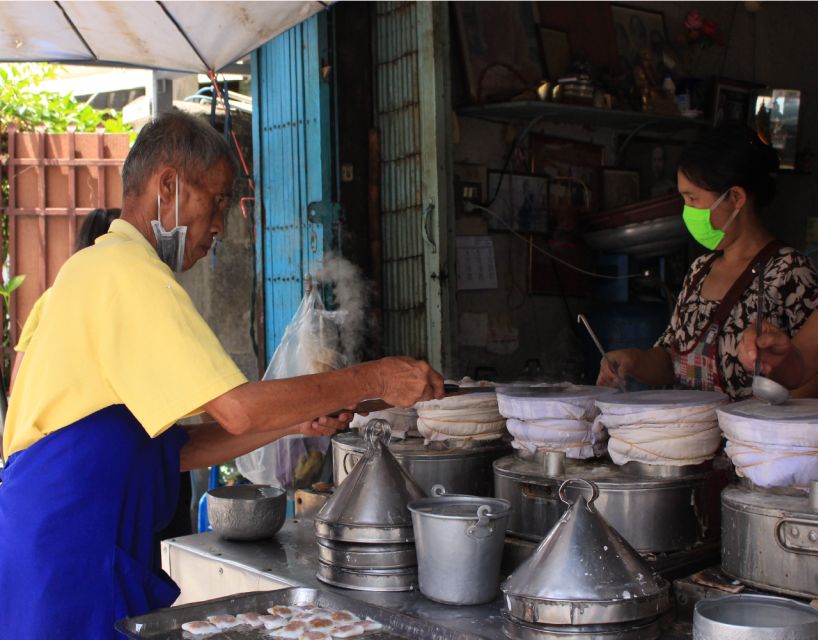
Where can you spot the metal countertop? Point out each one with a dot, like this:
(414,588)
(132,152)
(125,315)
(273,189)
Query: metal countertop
(291,558)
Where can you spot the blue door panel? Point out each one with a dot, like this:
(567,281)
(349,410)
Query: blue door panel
(291,135)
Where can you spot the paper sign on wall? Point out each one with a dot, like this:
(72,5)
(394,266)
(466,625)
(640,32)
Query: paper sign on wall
(475,263)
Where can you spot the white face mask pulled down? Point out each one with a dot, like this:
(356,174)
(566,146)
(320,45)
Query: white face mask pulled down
(170,245)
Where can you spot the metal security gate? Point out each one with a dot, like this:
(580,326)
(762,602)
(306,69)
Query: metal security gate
(411,52)
(292,154)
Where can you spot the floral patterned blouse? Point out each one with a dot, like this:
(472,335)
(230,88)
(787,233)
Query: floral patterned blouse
(790,295)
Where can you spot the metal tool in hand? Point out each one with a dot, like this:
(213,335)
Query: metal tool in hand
(379,404)
(763,388)
(581,318)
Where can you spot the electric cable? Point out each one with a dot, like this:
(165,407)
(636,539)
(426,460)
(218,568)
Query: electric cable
(536,247)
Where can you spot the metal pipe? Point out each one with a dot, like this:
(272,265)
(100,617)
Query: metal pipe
(554,463)
(813,495)
(375,231)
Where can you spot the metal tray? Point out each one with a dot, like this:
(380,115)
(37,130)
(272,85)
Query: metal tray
(165,624)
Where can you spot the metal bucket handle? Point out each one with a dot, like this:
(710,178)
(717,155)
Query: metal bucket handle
(379,429)
(483,527)
(591,485)
(346,465)
(437,490)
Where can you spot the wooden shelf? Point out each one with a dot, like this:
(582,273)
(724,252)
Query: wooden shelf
(586,116)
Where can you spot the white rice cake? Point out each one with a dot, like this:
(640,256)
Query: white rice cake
(348,631)
(293,629)
(272,621)
(224,621)
(252,618)
(199,627)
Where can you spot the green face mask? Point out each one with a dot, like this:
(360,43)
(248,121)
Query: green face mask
(698,224)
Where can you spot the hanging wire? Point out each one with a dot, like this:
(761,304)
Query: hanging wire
(536,247)
(242,201)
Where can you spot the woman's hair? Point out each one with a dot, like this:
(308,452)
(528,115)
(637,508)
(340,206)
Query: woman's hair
(96,223)
(732,155)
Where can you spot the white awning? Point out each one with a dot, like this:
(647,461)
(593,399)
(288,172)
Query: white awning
(177,36)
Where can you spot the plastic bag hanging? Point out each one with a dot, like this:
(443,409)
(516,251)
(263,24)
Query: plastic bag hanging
(310,344)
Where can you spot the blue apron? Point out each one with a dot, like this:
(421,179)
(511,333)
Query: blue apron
(78,510)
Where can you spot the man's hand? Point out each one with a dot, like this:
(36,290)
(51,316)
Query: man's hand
(405,381)
(326,425)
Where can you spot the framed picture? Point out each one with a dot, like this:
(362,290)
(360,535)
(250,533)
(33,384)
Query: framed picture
(521,203)
(656,162)
(620,187)
(500,47)
(734,101)
(574,169)
(556,51)
(636,29)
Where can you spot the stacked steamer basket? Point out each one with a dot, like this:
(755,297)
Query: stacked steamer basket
(770,518)
(463,437)
(364,532)
(584,581)
(658,489)
(460,419)
(554,418)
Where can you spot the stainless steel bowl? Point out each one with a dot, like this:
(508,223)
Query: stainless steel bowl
(754,617)
(246,511)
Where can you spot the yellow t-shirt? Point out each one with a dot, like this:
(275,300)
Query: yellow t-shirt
(117,329)
(31,323)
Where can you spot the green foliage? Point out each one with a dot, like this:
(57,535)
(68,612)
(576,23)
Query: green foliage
(7,287)
(26,107)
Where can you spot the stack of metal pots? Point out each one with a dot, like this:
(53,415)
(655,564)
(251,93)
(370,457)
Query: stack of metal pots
(365,536)
(584,581)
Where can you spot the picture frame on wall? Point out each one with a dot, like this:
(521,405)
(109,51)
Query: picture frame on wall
(573,167)
(556,51)
(620,187)
(636,29)
(734,101)
(521,203)
(500,48)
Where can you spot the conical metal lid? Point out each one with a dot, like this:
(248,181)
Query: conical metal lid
(584,572)
(370,504)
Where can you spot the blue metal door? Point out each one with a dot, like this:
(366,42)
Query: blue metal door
(292,160)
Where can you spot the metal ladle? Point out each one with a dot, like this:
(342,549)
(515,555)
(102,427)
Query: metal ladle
(763,388)
(581,318)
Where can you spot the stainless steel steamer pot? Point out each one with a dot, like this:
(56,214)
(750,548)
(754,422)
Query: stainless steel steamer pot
(769,539)
(656,509)
(465,471)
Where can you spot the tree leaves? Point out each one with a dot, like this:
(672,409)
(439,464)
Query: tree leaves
(24,105)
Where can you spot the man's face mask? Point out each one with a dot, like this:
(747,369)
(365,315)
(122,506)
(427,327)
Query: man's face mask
(701,228)
(170,245)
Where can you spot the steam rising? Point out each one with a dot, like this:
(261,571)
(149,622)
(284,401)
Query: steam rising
(352,299)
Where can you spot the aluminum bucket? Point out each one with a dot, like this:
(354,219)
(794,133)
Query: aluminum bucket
(459,541)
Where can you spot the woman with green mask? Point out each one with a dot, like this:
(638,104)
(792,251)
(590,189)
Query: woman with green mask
(725,178)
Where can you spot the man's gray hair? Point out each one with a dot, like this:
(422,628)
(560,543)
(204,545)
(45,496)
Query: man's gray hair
(178,139)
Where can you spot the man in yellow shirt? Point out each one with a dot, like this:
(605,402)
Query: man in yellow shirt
(119,355)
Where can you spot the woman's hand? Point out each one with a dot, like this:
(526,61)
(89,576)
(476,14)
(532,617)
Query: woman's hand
(773,344)
(405,381)
(616,366)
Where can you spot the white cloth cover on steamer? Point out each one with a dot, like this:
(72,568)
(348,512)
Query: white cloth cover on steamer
(467,417)
(576,438)
(661,434)
(773,446)
(561,419)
